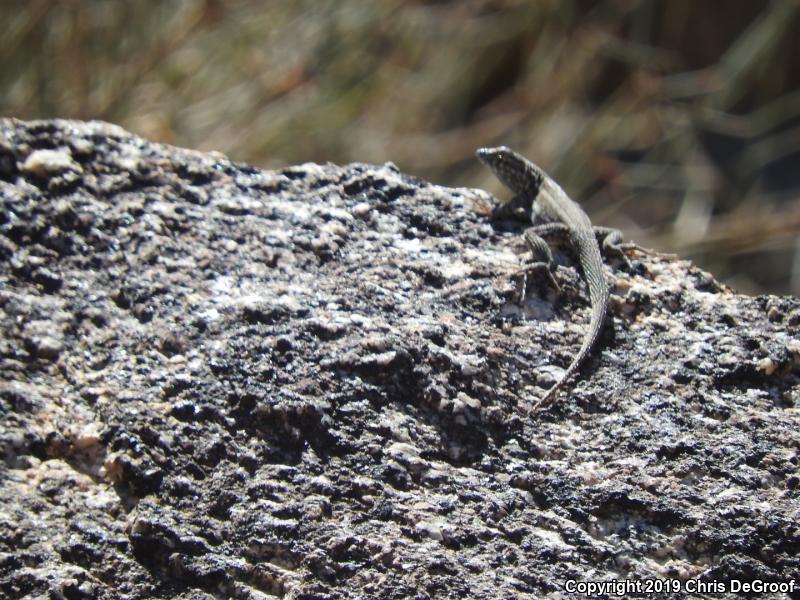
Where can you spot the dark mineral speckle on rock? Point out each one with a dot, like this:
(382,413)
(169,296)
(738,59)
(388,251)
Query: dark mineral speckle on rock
(217,381)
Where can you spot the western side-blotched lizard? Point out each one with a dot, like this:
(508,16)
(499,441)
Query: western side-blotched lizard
(563,215)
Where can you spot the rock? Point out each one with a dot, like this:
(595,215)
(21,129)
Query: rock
(42,163)
(314,383)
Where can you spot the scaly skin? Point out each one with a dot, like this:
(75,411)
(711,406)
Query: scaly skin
(527,180)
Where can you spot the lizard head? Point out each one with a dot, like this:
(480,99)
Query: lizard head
(512,169)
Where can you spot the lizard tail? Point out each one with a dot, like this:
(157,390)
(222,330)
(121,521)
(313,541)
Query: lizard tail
(599,301)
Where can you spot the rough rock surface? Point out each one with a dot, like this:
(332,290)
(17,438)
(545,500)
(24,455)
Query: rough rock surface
(217,381)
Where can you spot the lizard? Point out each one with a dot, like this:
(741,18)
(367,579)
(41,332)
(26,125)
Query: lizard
(562,215)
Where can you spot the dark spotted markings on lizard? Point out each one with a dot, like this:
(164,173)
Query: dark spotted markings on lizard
(562,215)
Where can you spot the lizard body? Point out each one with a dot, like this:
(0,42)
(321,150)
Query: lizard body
(532,184)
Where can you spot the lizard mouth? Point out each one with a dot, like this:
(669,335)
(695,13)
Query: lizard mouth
(493,156)
(508,166)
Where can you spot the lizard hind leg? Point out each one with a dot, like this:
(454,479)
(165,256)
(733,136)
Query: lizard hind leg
(540,251)
(610,240)
(542,258)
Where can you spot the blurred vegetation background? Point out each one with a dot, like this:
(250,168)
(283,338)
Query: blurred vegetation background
(677,121)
